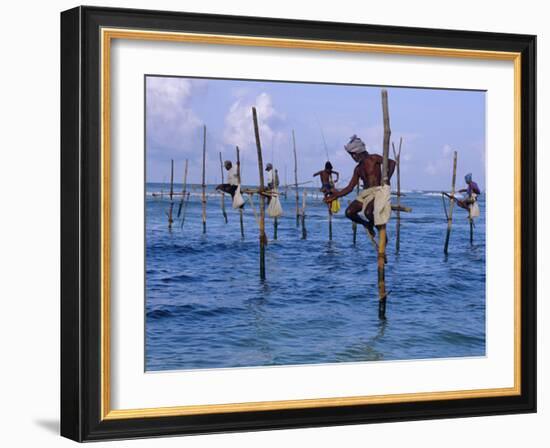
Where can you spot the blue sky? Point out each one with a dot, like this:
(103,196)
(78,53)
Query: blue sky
(432,122)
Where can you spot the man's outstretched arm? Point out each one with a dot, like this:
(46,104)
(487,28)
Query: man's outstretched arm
(346,190)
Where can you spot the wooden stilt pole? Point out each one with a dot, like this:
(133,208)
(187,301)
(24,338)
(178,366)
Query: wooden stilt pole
(471,227)
(382,295)
(184,189)
(263,238)
(330,223)
(204,180)
(187,195)
(239,180)
(224,213)
(303,215)
(397,157)
(286,185)
(276,188)
(170,213)
(451,205)
(471,221)
(253,209)
(354,224)
(296,180)
(184,194)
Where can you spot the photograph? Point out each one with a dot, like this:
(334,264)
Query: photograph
(292,223)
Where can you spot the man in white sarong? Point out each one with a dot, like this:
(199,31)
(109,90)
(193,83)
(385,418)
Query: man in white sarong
(469,202)
(232,179)
(374,200)
(471,192)
(272,178)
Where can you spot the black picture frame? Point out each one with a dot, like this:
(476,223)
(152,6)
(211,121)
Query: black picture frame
(81,224)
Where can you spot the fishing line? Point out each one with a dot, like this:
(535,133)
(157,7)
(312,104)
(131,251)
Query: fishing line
(323,137)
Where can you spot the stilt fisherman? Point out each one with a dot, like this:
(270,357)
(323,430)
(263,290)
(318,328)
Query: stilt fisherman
(469,201)
(373,201)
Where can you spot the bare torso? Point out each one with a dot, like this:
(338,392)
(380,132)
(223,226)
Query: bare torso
(369,170)
(325,177)
(327,180)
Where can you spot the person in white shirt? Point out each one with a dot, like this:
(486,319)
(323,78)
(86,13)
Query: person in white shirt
(232,179)
(270,177)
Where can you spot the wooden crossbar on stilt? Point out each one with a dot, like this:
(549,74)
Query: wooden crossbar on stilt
(262,236)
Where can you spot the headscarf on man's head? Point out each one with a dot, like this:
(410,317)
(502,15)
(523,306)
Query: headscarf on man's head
(269,166)
(355,145)
(468,178)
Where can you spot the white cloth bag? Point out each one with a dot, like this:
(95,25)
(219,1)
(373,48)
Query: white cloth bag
(474,207)
(238,199)
(274,210)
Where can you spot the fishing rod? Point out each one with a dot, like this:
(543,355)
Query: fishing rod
(273,176)
(326,152)
(323,137)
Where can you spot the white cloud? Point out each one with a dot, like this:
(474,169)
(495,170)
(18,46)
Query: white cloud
(442,164)
(171,122)
(431,168)
(239,128)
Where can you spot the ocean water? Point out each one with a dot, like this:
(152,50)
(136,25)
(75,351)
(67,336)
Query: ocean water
(206,306)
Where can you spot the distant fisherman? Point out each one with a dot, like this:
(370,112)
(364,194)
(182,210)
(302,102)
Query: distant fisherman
(471,192)
(272,177)
(374,199)
(232,179)
(327,183)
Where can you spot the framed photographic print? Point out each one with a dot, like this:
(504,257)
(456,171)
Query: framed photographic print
(274,223)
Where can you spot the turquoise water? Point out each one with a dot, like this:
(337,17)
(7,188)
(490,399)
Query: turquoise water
(207,308)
